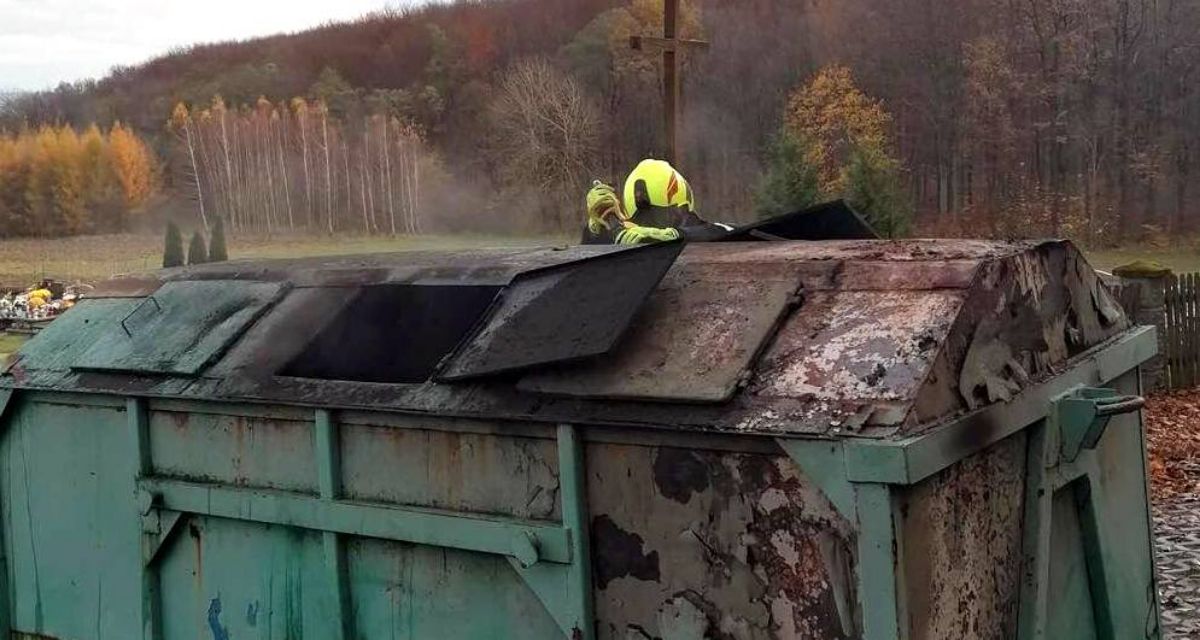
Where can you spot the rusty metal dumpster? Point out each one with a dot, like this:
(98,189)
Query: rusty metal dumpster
(852,439)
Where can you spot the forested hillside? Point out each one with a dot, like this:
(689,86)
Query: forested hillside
(1009,117)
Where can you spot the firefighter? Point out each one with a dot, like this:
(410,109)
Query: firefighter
(658,205)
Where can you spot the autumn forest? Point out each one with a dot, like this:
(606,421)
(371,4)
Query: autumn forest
(1004,118)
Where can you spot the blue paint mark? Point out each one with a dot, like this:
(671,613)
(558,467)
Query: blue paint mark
(214,620)
(252,613)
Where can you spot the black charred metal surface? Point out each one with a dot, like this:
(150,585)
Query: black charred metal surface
(393,333)
(563,313)
(678,473)
(829,221)
(620,554)
(720,321)
(1024,316)
(890,337)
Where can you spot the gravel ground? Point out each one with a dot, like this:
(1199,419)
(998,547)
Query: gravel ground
(1177,553)
(1173,434)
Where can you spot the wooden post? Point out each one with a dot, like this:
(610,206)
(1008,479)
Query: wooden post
(672,47)
(672,89)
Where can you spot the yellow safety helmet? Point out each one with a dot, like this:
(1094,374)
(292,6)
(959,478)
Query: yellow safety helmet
(664,187)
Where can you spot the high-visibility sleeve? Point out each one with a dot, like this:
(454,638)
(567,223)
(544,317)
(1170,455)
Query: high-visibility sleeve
(641,235)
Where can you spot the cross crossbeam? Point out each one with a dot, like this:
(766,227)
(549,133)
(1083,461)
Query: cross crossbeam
(671,46)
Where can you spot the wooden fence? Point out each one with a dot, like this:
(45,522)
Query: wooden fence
(1181,325)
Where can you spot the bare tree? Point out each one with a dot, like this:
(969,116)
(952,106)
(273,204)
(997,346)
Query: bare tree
(544,132)
(183,124)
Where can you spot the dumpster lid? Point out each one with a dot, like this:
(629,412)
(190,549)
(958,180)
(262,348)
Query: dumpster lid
(851,338)
(180,328)
(835,220)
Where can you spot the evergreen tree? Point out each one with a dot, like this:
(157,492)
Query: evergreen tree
(790,181)
(875,188)
(173,247)
(197,254)
(217,251)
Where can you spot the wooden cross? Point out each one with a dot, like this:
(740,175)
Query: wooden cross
(671,45)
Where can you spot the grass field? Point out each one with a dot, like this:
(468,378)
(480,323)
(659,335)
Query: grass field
(25,261)
(9,342)
(1178,260)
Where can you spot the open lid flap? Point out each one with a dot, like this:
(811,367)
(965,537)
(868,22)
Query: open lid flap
(561,313)
(835,220)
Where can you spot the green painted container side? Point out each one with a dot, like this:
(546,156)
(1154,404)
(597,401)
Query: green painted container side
(1071,613)
(227,580)
(72,539)
(71,527)
(1123,528)
(691,537)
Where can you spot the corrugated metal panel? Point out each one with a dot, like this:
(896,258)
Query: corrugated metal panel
(180,329)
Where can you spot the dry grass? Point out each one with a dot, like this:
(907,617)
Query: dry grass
(9,343)
(92,258)
(1180,260)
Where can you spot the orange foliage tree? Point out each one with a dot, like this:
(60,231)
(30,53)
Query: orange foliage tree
(54,181)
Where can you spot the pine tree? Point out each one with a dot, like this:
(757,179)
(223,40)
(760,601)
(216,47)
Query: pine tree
(875,187)
(790,182)
(173,247)
(197,254)
(217,251)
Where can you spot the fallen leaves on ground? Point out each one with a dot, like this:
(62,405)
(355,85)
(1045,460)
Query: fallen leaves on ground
(1173,440)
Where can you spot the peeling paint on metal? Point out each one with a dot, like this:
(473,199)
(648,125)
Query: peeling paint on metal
(747,550)
(218,631)
(880,341)
(620,554)
(678,473)
(962,550)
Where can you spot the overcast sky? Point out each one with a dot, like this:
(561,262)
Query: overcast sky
(44,42)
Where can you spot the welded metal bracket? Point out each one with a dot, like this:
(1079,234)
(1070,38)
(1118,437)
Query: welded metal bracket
(1082,416)
(158,525)
(565,589)
(824,462)
(871,507)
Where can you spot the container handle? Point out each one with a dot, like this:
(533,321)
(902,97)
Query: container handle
(1118,405)
(141,304)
